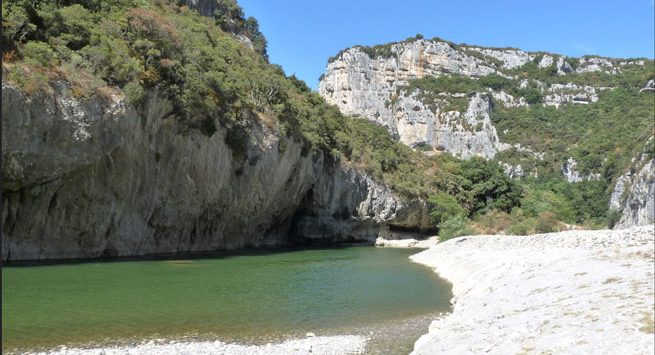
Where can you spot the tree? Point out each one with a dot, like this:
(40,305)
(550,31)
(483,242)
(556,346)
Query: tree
(490,187)
(445,207)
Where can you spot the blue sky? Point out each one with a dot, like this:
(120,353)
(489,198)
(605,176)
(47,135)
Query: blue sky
(303,34)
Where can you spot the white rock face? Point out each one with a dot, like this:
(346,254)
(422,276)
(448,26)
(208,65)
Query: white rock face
(572,175)
(360,85)
(622,183)
(569,172)
(373,88)
(513,171)
(592,64)
(634,196)
(507,100)
(574,292)
(464,135)
(546,61)
(558,94)
(561,64)
(650,86)
(511,58)
(367,87)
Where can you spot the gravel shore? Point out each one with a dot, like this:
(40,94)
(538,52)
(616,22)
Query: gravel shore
(407,243)
(324,345)
(582,292)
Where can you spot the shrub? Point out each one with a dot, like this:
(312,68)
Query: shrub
(39,53)
(539,199)
(454,227)
(496,82)
(134,92)
(423,147)
(30,81)
(445,207)
(547,223)
(493,222)
(532,95)
(76,24)
(490,187)
(613,217)
(522,227)
(447,83)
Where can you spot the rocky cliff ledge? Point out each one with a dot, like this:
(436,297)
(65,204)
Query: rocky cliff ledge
(85,178)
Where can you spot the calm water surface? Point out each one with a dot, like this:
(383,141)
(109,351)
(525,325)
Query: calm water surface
(247,298)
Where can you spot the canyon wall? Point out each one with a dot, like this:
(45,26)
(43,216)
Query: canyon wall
(86,178)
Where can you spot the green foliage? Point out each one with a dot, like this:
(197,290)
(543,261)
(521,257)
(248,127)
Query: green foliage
(602,136)
(30,81)
(583,202)
(496,82)
(522,227)
(371,147)
(493,222)
(538,200)
(531,70)
(16,24)
(423,147)
(75,25)
(429,88)
(134,92)
(446,83)
(39,53)
(629,77)
(383,51)
(532,95)
(445,207)
(489,186)
(613,217)
(454,227)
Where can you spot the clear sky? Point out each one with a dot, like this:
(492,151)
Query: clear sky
(303,34)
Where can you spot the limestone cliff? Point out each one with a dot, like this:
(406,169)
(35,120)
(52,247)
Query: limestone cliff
(99,177)
(634,194)
(372,83)
(364,86)
(436,96)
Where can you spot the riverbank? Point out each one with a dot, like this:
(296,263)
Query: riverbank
(323,345)
(406,243)
(570,292)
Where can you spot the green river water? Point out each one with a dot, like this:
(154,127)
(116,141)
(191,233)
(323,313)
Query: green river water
(250,298)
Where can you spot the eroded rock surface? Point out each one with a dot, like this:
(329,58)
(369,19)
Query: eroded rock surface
(91,178)
(634,195)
